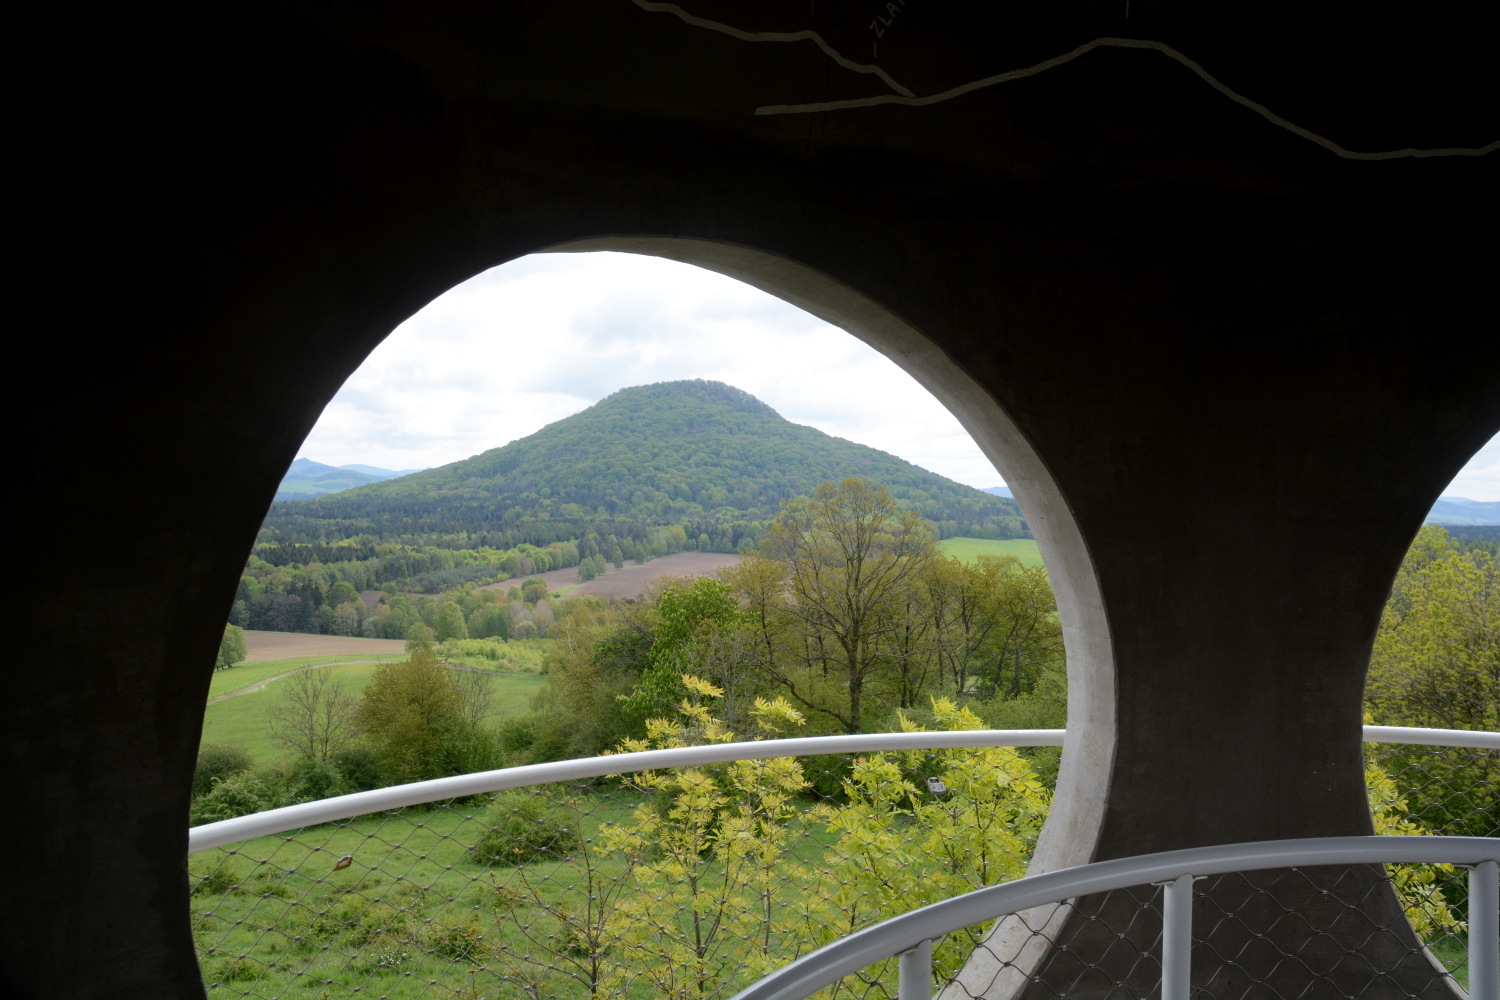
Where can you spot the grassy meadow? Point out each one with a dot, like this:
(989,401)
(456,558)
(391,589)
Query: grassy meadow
(970,549)
(241,720)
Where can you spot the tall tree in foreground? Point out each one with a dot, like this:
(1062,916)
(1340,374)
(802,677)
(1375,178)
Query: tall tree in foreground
(852,561)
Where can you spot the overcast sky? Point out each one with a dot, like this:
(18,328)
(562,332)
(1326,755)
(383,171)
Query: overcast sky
(530,342)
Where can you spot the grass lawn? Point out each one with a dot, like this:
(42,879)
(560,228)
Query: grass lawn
(242,720)
(970,549)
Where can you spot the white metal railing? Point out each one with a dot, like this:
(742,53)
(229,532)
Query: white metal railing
(261,824)
(231,831)
(911,935)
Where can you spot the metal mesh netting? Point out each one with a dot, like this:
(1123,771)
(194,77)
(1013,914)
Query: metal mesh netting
(695,882)
(1276,934)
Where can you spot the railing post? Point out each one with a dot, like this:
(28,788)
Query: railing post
(1177,938)
(1484,931)
(915,977)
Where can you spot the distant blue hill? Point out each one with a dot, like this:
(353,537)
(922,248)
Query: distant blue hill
(1461,510)
(379,473)
(307,479)
(999,491)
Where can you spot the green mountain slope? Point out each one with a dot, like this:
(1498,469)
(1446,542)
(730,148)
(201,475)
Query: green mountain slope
(699,454)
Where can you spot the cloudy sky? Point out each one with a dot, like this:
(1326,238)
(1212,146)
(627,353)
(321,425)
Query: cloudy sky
(532,341)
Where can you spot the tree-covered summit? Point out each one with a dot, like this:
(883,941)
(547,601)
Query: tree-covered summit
(697,453)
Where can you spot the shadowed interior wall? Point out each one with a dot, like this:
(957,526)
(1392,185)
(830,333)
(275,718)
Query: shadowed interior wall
(1247,363)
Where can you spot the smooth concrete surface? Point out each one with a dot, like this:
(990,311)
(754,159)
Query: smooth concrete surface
(1229,364)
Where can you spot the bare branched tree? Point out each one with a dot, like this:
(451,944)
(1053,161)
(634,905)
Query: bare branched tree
(474,693)
(314,716)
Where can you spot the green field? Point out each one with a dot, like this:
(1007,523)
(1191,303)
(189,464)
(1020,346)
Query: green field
(970,549)
(242,720)
(239,677)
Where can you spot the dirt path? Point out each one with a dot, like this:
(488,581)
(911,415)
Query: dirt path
(261,684)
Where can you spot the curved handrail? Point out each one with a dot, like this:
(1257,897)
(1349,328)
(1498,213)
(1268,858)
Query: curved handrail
(862,949)
(230,831)
(1476,739)
(342,807)
(261,824)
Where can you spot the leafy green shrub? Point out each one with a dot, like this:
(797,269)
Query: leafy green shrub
(524,827)
(464,747)
(390,919)
(360,768)
(311,780)
(218,762)
(245,793)
(226,877)
(463,942)
(234,968)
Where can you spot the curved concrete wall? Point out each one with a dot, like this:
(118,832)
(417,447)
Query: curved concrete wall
(1227,367)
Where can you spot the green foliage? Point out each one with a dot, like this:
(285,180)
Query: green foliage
(420,637)
(1436,663)
(450,622)
(704,855)
(360,768)
(231,648)
(1437,654)
(1419,886)
(523,827)
(218,762)
(240,795)
(310,779)
(512,657)
(684,618)
(415,722)
(979,830)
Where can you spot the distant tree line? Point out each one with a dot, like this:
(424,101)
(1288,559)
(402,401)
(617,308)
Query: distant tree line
(282,594)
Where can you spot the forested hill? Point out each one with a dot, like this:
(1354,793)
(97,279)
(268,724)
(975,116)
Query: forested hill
(703,455)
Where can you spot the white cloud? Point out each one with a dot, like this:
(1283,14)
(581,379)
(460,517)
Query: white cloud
(532,341)
(540,338)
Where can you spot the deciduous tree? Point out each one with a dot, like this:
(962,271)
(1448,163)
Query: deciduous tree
(313,717)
